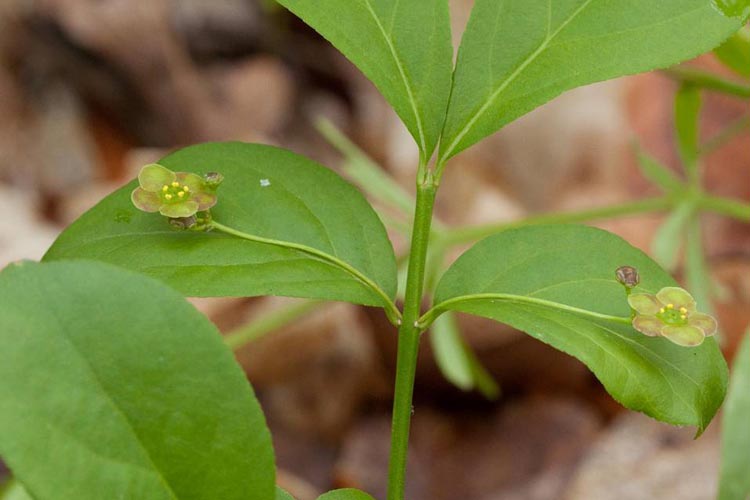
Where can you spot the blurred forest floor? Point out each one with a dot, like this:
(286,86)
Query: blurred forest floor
(91,90)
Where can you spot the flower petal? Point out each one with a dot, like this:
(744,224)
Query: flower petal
(184,209)
(204,200)
(147,201)
(707,324)
(644,303)
(154,176)
(193,181)
(687,336)
(648,325)
(678,297)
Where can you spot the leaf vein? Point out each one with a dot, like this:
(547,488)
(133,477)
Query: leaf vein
(402,74)
(510,79)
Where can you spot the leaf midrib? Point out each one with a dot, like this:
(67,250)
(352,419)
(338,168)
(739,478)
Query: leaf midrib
(402,74)
(510,79)
(310,253)
(638,346)
(522,299)
(98,382)
(658,368)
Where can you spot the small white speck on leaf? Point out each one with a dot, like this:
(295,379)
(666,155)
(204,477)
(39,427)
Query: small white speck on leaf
(265,183)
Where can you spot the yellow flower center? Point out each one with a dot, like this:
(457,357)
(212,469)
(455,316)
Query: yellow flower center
(174,192)
(671,316)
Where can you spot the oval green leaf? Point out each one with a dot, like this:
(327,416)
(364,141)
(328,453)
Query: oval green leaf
(535,279)
(515,56)
(403,46)
(113,386)
(345,494)
(734,483)
(267,192)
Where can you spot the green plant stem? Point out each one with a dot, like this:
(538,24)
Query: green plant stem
(390,308)
(707,81)
(427,318)
(408,338)
(470,234)
(269,322)
(725,206)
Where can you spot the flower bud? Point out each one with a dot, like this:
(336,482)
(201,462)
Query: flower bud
(183,222)
(628,276)
(213,179)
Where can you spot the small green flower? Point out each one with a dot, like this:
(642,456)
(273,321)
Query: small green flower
(172,194)
(671,313)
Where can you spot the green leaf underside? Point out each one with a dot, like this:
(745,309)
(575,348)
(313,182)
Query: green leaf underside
(574,266)
(283,495)
(735,52)
(305,203)
(669,238)
(515,56)
(657,173)
(403,46)
(13,491)
(346,494)
(687,114)
(113,386)
(455,359)
(696,271)
(734,483)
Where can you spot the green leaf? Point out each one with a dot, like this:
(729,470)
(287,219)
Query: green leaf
(669,238)
(687,108)
(13,490)
(347,494)
(403,46)
(557,283)
(657,173)
(304,204)
(735,52)
(283,495)
(516,55)
(113,386)
(734,482)
(457,362)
